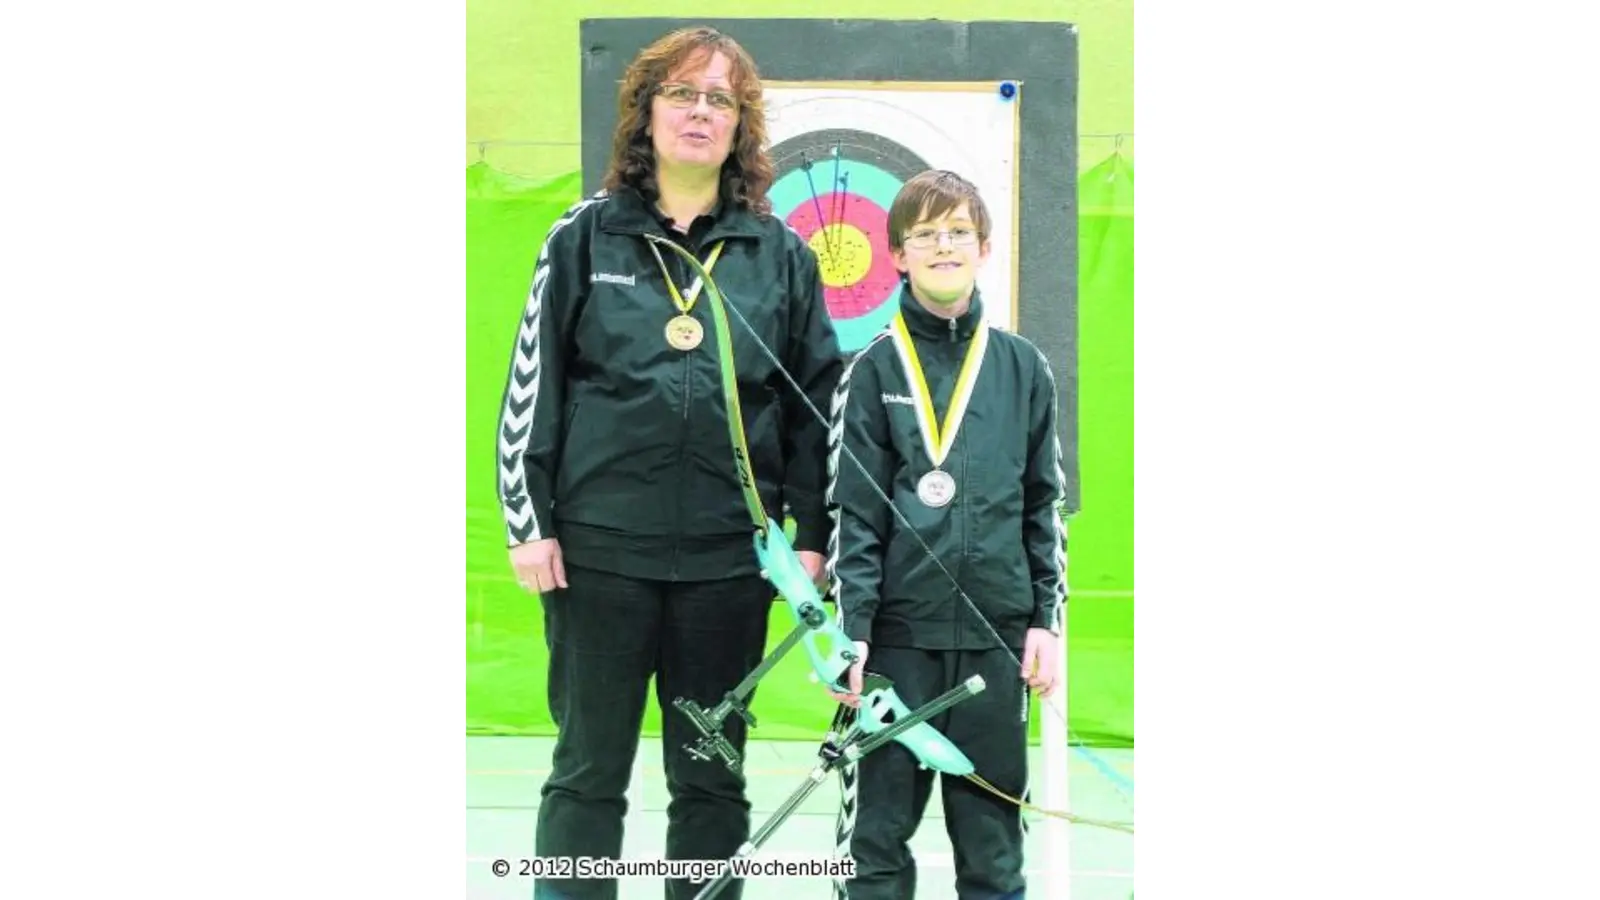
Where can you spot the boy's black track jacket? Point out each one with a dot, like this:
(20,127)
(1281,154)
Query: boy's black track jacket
(1001,537)
(615,442)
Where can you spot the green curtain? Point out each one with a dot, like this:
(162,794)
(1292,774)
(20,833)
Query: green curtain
(507,219)
(1100,538)
(506,223)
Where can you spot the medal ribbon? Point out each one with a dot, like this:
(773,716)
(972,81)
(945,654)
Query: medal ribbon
(694,289)
(940,440)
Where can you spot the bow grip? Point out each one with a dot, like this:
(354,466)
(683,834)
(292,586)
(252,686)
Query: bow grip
(781,566)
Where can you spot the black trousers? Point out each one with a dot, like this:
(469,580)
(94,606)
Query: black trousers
(607,635)
(892,790)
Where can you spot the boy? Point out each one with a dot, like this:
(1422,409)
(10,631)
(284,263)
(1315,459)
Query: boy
(955,422)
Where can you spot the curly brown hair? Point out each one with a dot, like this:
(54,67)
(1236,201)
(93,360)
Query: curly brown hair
(746,174)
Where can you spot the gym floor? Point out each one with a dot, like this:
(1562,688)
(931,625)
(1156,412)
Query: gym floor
(504,775)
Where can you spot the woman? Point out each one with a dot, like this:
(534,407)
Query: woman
(619,488)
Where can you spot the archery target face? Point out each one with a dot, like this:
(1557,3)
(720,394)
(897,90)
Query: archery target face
(841,155)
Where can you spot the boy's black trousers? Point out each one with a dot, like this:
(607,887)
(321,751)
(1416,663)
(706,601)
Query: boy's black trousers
(607,635)
(892,791)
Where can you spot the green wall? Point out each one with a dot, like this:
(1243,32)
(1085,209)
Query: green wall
(522,65)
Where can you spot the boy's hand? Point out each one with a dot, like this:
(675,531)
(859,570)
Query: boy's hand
(853,699)
(1041,658)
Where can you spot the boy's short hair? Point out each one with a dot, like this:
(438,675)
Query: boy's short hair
(930,195)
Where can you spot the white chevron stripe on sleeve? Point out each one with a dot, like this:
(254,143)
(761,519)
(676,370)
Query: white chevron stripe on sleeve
(522,396)
(841,396)
(845,826)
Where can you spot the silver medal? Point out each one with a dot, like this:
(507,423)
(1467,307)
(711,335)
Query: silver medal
(936,489)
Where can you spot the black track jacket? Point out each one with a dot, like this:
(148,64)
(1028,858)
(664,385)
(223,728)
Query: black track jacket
(617,443)
(1001,536)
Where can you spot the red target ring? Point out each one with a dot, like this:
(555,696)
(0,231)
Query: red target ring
(852,251)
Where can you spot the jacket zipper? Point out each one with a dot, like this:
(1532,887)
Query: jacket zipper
(961,523)
(683,451)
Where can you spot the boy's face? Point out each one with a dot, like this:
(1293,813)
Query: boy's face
(942,256)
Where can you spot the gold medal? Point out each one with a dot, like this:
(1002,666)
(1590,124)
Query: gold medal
(684,333)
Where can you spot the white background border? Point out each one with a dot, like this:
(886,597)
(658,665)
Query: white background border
(231,644)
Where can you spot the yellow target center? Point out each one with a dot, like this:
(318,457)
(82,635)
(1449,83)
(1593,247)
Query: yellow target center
(844,252)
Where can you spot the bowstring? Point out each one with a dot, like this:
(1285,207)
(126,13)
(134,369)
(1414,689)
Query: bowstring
(721,306)
(1123,827)
(1099,764)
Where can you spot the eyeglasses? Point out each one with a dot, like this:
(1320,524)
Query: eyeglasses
(927,238)
(683,96)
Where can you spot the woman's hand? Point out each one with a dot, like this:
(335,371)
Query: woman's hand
(538,565)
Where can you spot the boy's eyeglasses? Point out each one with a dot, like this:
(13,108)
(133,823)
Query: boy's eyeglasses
(684,96)
(927,238)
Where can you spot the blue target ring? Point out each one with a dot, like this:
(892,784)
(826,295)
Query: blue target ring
(845,180)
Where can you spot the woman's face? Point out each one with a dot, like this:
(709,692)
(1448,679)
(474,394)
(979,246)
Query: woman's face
(695,114)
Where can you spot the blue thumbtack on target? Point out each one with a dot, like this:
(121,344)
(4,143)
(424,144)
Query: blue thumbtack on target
(1008,89)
